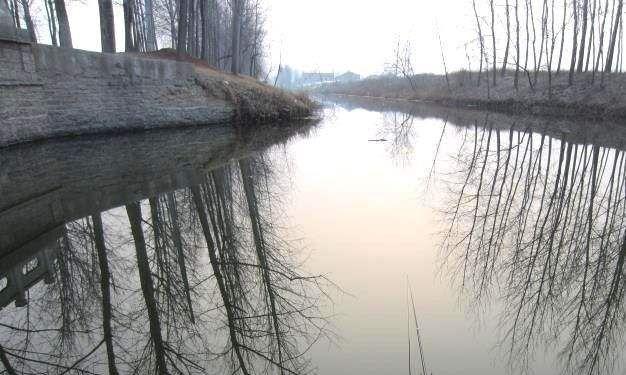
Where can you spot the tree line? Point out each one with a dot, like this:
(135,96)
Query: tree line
(522,38)
(227,34)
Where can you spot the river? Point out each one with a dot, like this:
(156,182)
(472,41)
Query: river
(390,237)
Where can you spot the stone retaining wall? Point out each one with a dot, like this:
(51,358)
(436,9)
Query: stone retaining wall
(48,92)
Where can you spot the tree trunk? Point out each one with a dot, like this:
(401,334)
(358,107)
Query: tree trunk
(517,45)
(532,22)
(204,12)
(620,49)
(147,287)
(480,41)
(151,43)
(65,35)
(591,45)
(107,26)
(261,249)
(171,14)
(583,36)
(178,244)
(612,43)
(527,28)
(52,24)
(236,35)
(105,288)
(219,277)
(596,66)
(129,40)
(558,67)
(29,21)
(191,34)
(16,14)
(574,44)
(493,42)
(183,8)
(215,35)
(508,39)
(544,33)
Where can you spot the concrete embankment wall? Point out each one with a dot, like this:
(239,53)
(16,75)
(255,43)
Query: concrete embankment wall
(49,92)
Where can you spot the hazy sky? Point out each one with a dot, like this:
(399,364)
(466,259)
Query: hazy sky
(334,35)
(360,35)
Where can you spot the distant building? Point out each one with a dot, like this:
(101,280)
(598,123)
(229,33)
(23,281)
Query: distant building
(348,77)
(316,78)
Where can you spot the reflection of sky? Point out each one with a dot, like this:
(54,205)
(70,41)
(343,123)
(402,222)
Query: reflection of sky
(370,224)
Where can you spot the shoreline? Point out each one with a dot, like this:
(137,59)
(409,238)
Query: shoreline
(580,131)
(584,100)
(49,92)
(510,106)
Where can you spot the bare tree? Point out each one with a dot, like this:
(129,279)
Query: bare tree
(574,43)
(65,35)
(105,289)
(147,287)
(583,36)
(493,41)
(107,26)
(614,37)
(508,37)
(236,9)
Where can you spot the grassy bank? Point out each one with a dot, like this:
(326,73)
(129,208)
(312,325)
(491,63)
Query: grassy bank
(590,96)
(253,100)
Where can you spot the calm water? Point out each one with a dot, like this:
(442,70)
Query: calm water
(388,238)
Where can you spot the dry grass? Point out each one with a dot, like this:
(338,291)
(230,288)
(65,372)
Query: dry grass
(254,101)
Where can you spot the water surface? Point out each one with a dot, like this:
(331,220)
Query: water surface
(320,247)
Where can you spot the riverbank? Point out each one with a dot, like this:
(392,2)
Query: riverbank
(592,97)
(48,92)
(608,133)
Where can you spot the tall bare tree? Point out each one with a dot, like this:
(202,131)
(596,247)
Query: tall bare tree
(107,26)
(508,37)
(236,35)
(614,37)
(65,34)
(583,36)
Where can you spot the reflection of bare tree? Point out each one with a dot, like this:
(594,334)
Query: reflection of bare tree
(538,223)
(105,290)
(147,286)
(134,293)
(398,128)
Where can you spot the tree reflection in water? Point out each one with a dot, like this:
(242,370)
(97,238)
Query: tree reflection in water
(193,281)
(537,224)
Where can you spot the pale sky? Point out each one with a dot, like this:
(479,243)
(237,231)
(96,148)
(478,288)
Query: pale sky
(360,35)
(333,35)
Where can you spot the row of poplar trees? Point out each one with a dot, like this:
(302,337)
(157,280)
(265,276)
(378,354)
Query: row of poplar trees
(228,34)
(569,36)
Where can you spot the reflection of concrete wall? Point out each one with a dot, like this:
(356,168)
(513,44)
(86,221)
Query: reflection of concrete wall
(48,91)
(43,186)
